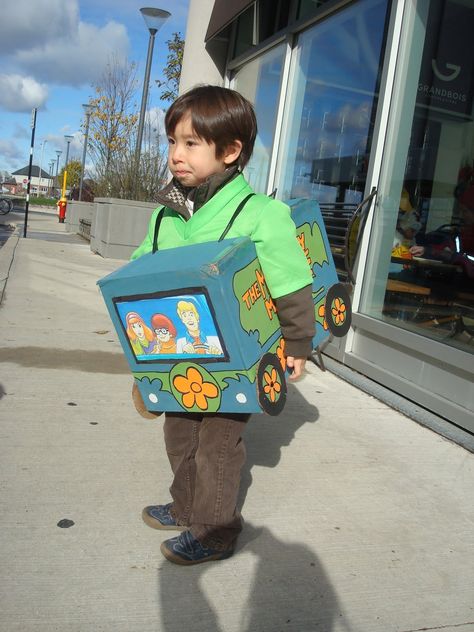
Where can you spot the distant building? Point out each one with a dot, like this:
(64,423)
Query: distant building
(9,185)
(41,184)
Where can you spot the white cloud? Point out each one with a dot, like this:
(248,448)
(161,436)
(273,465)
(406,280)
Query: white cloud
(21,132)
(45,42)
(78,59)
(57,141)
(155,119)
(13,155)
(27,24)
(20,94)
(10,149)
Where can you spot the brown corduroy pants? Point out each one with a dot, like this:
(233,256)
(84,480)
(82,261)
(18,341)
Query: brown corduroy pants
(206,453)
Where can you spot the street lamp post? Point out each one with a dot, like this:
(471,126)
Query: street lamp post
(154,19)
(88,109)
(68,138)
(40,167)
(58,153)
(51,176)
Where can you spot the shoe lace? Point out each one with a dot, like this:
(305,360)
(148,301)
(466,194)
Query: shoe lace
(190,544)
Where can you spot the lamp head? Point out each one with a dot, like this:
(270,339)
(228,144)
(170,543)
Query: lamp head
(88,108)
(154,18)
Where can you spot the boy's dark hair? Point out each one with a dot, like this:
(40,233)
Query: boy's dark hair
(219,116)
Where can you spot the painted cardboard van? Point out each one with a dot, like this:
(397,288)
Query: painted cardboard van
(200,330)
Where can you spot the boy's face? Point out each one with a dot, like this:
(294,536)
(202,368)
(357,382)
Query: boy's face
(191,159)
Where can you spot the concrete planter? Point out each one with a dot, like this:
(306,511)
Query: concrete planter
(119,226)
(75,212)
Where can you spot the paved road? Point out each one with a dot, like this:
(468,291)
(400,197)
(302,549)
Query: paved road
(8,222)
(16,218)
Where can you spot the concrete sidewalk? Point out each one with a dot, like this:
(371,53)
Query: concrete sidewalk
(357,518)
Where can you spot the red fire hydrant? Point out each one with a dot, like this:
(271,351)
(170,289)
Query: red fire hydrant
(62,204)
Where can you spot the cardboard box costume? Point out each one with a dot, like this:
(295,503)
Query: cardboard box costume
(199,327)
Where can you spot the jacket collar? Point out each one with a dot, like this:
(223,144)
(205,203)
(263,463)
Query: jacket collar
(174,194)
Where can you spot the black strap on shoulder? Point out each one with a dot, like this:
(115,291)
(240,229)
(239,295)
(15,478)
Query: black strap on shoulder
(158,221)
(235,215)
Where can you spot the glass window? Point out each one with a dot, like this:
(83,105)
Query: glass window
(260,81)
(272,17)
(308,7)
(421,273)
(244,35)
(329,115)
(259,22)
(331,106)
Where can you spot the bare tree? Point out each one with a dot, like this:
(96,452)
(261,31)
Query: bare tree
(112,137)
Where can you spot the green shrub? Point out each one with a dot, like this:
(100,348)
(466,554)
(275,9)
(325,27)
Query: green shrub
(42,201)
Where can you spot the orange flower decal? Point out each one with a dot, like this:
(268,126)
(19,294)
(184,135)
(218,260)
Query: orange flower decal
(281,353)
(322,313)
(194,390)
(272,386)
(338,311)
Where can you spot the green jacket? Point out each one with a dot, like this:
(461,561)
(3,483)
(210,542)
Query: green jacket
(266,221)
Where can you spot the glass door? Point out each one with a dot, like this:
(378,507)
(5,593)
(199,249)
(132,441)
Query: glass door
(421,272)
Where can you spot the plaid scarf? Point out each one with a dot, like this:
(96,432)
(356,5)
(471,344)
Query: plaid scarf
(174,194)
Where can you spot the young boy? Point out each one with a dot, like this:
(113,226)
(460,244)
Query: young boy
(211,133)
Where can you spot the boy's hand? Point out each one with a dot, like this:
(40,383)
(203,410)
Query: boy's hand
(295,366)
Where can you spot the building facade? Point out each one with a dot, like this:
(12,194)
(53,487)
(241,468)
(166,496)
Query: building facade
(352,96)
(41,181)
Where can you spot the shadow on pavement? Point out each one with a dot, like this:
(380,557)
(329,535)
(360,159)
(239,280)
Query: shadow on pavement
(289,591)
(72,359)
(265,436)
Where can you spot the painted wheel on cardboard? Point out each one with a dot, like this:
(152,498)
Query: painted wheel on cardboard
(338,312)
(271,384)
(194,388)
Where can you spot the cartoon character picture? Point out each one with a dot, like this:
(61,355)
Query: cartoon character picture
(140,335)
(165,333)
(195,340)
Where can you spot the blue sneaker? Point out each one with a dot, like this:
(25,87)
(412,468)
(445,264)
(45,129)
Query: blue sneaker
(160,517)
(185,549)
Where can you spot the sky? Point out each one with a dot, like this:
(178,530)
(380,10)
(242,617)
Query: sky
(51,52)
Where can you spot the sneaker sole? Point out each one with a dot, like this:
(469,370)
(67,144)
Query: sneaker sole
(171,557)
(156,524)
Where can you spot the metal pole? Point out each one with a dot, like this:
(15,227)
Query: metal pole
(84,151)
(33,127)
(67,154)
(141,120)
(51,177)
(41,166)
(58,153)
(68,138)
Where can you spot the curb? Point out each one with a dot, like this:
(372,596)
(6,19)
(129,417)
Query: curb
(7,254)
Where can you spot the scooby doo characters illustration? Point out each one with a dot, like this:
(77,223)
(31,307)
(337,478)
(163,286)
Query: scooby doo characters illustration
(140,335)
(195,340)
(165,333)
